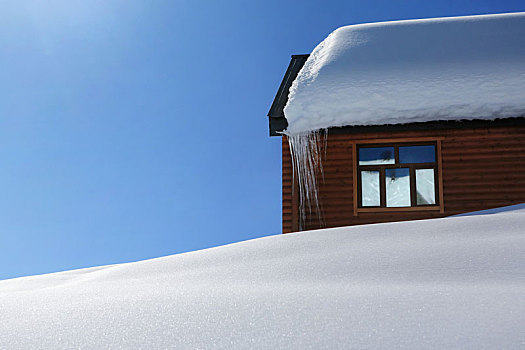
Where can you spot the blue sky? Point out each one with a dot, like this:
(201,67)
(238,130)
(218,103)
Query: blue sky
(137,129)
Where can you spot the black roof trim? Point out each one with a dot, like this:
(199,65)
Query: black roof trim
(276,116)
(431,125)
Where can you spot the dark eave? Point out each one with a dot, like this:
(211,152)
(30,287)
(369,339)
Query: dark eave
(430,125)
(276,116)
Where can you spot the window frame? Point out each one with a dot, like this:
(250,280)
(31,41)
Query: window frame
(396,143)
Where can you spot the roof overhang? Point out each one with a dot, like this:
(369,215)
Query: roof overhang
(277,119)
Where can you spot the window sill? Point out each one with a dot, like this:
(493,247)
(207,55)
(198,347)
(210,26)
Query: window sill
(398,209)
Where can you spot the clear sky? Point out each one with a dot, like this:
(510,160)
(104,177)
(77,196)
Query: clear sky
(136,129)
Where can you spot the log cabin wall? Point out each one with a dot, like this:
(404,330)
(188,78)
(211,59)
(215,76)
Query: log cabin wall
(482,168)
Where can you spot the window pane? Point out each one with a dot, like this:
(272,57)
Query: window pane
(417,154)
(397,187)
(370,189)
(376,155)
(425,187)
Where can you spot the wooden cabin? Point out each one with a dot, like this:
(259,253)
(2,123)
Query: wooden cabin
(385,173)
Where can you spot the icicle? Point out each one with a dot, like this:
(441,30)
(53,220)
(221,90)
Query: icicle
(305,149)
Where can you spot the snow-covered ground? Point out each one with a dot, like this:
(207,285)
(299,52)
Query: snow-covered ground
(452,283)
(412,71)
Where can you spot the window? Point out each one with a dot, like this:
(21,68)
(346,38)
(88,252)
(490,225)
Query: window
(398,175)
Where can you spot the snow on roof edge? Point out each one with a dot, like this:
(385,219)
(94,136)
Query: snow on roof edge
(396,72)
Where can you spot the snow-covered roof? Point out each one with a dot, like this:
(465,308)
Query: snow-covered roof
(398,72)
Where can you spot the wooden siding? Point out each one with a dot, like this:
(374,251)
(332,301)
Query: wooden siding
(482,168)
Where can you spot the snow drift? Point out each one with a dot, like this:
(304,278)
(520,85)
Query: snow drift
(412,71)
(446,283)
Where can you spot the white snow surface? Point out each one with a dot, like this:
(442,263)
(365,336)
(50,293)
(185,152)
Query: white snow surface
(452,283)
(398,72)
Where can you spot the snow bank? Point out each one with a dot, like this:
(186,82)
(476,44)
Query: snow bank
(453,283)
(412,71)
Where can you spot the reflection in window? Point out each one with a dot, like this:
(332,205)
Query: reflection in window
(376,155)
(370,195)
(425,187)
(417,154)
(397,187)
